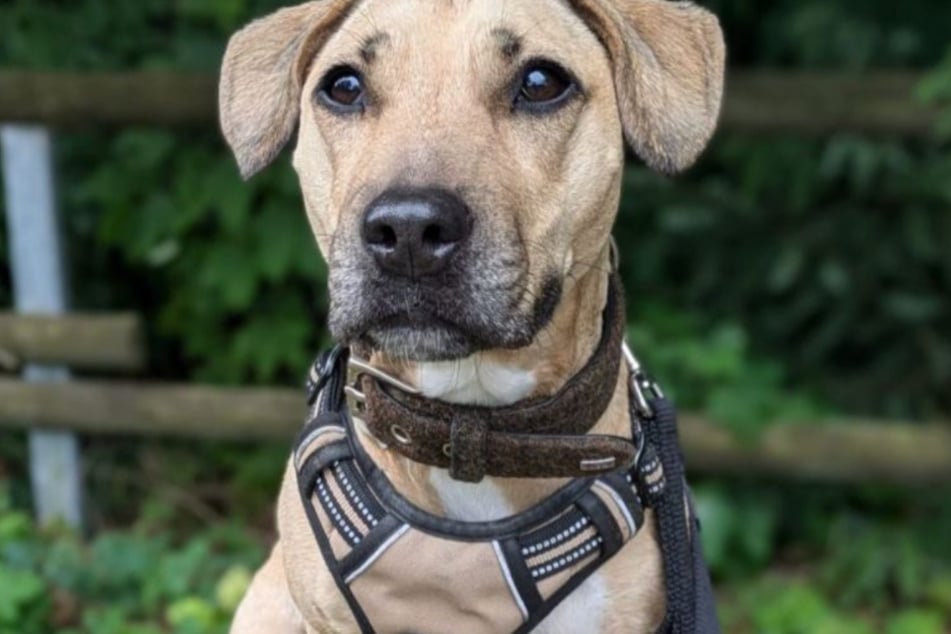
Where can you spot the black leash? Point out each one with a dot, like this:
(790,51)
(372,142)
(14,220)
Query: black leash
(672,522)
(690,607)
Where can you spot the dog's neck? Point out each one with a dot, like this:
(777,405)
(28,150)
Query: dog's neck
(502,377)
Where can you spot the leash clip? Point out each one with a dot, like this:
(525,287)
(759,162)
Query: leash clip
(643,388)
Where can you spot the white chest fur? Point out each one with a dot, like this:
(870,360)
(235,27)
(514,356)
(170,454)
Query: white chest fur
(472,381)
(581,611)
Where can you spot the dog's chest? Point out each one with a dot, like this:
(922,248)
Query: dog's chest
(480,502)
(485,501)
(492,384)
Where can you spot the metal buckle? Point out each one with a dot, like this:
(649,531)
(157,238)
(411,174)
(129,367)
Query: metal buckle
(357,367)
(356,398)
(643,388)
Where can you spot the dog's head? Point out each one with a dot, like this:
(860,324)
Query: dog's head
(461,159)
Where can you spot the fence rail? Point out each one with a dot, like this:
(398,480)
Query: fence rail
(756,101)
(93,342)
(843,452)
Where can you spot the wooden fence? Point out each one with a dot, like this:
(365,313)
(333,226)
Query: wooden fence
(837,451)
(53,406)
(880,102)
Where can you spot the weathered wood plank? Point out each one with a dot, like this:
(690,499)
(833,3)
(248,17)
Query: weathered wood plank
(817,103)
(756,101)
(66,99)
(104,407)
(854,452)
(846,452)
(85,341)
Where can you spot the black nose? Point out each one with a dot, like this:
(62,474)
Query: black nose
(414,233)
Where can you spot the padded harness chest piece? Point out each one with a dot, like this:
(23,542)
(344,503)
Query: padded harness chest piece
(402,569)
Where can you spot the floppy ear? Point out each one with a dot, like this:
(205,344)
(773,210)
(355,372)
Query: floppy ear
(668,66)
(263,72)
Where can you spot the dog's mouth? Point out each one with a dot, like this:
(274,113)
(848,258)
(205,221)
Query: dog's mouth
(421,337)
(440,324)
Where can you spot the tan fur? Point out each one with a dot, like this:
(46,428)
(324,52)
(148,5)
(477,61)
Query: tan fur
(546,188)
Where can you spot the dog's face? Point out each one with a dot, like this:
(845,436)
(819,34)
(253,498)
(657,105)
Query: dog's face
(461,160)
(503,125)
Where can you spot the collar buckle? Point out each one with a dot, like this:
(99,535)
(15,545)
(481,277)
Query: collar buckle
(357,368)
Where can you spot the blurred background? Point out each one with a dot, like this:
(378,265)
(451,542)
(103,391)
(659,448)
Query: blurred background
(794,282)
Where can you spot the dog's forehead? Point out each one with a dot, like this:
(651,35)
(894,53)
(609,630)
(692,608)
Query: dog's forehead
(460,27)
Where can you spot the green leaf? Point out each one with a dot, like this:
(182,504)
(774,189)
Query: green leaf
(22,592)
(916,622)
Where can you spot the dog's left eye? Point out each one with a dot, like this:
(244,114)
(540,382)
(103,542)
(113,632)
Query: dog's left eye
(342,90)
(544,85)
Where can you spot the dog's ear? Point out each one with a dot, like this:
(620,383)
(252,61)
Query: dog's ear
(668,62)
(263,72)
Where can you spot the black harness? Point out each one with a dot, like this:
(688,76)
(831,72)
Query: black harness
(543,553)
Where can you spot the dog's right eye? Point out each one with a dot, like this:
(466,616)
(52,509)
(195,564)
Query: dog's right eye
(544,87)
(341,90)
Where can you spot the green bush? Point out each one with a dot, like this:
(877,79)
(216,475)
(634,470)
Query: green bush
(838,246)
(135,582)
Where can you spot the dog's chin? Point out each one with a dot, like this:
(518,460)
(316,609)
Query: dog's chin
(414,326)
(416,342)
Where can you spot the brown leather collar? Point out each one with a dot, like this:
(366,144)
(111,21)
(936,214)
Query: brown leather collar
(542,437)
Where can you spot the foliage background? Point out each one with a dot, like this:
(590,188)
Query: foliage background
(783,277)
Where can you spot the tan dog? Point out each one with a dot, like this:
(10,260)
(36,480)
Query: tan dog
(502,122)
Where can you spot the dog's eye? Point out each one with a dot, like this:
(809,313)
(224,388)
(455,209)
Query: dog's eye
(544,85)
(342,89)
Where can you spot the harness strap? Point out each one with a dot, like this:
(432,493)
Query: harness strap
(521,576)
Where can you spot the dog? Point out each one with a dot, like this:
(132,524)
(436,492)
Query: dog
(461,163)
